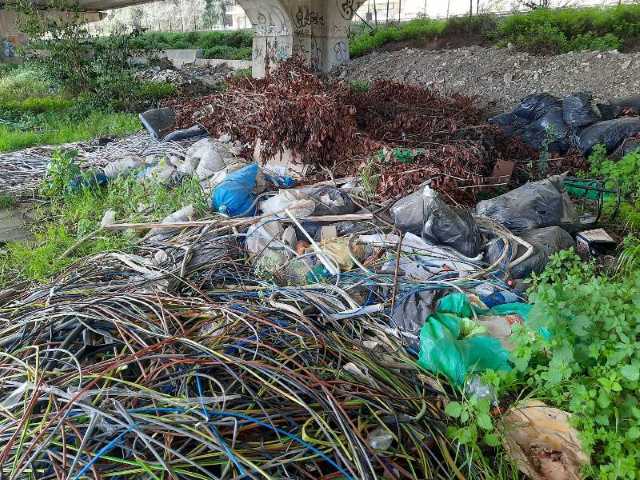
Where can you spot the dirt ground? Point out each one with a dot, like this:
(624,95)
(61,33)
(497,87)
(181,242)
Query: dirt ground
(501,77)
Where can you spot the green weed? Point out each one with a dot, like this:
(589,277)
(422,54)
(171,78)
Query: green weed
(72,214)
(623,174)
(7,201)
(590,363)
(56,130)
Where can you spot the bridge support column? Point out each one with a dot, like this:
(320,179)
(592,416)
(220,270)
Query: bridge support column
(316,30)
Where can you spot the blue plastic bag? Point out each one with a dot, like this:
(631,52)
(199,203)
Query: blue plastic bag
(235,196)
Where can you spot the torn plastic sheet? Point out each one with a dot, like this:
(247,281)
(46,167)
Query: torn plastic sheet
(431,257)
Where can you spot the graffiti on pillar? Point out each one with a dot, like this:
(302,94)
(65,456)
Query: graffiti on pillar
(276,51)
(347,8)
(271,22)
(341,51)
(310,51)
(258,52)
(315,55)
(307,18)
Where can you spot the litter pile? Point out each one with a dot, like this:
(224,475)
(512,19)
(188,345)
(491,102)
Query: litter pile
(301,330)
(543,121)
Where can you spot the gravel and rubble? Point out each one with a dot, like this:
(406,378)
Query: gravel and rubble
(190,80)
(500,76)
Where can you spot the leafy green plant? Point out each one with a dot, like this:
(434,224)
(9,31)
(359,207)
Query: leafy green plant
(474,422)
(227,52)
(77,61)
(623,174)
(359,86)
(629,260)
(590,363)
(589,41)
(542,39)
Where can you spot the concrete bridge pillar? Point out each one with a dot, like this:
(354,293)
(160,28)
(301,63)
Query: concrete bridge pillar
(316,30)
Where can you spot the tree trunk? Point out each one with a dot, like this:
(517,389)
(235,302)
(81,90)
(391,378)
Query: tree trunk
(470,8)
(399,10)
(375,13)
(386,19)
(448,6)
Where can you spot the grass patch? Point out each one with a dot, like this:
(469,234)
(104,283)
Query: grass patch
(59,129)
(72,214)
(413,30)
(33,112)
(541,31)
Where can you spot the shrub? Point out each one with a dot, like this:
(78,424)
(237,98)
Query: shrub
(228,53)
(483,25)
(415,29)
(591,42)
(590,364)
(590,28)
(542,39)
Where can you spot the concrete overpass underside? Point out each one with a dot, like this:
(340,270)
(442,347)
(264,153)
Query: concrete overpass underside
(316,30)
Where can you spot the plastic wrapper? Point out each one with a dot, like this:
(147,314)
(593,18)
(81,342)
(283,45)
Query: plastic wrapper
(535,106)
(411,311)
(235,196)
(620,106)
(542,442)
(451,345)
(331,201)
(549,131)
(425,212)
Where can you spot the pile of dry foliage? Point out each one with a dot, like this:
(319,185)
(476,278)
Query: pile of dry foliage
(330,125)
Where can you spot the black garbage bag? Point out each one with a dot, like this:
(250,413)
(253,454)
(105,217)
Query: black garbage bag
(408,213)
(549,130)
(331,201)
(509,123)
(452,227)
(423,212)
(628,145)
(533,205)
(610,133)
(545,242)
(620,106)
(535,106)
(579,111)
(411,311)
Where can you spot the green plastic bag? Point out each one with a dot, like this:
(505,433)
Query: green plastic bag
(450,346)
(521,309)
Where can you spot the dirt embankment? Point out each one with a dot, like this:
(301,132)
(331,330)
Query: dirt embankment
(501,77)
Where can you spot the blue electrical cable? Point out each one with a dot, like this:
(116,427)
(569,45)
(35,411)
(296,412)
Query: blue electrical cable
(103,451)
(215,431)
(248,418)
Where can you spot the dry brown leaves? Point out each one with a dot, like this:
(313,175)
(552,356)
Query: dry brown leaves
(328,125)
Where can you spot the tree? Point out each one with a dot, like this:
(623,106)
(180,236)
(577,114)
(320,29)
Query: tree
(214,12)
